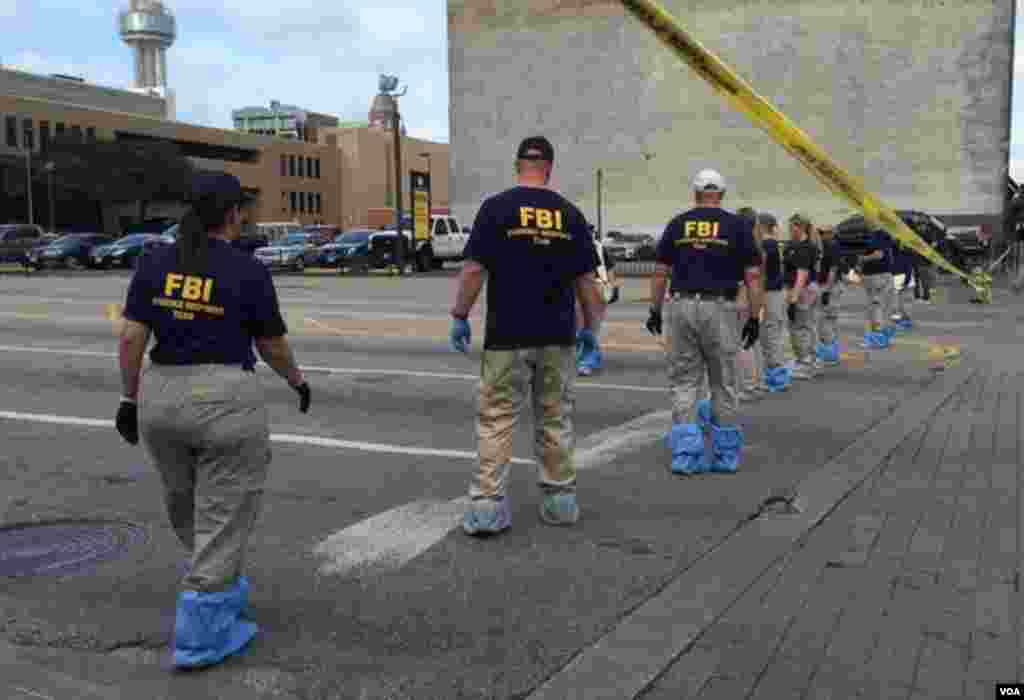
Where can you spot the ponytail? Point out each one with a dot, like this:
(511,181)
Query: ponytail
(192,243)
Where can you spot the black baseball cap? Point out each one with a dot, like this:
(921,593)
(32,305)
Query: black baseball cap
(224,188)
(536,148)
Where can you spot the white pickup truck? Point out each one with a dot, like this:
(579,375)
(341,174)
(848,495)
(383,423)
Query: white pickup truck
(447,239)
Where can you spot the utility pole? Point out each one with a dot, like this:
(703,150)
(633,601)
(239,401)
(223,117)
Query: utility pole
(28,182)
(600,177)
(398,169)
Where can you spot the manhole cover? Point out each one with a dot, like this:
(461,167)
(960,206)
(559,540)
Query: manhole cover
(59,549)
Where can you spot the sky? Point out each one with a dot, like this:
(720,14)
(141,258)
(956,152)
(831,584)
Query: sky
(321,55)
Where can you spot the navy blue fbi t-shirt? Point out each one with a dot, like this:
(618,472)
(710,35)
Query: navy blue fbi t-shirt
(205,319)
(708,249)
(772,265)
(534,244)
(799,256)
(880,241)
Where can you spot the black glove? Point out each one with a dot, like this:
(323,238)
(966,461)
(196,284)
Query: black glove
(825,296)
(751,331)
(128,422)
(304,396)
(654,322)
(791,313)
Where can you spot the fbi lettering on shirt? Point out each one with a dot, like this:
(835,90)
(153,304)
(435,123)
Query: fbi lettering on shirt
(701,234)
(542,225)
(188,295)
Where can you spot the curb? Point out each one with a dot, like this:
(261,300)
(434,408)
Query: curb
(632,655)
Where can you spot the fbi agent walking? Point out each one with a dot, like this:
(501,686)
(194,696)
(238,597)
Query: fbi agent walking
(777,376)
(800,259)
(200,412)
(708,251)
(538,256)
(830,287)
(876,269)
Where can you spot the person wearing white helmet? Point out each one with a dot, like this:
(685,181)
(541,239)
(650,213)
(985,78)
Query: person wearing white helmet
(709,252)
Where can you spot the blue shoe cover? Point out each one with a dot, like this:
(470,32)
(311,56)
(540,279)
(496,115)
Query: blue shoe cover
(727,445)
(889,332)
(778,379)
(822,352)
(488,516)
(207,629)
(687,444)
(905,324)
(875,340)
(704,413)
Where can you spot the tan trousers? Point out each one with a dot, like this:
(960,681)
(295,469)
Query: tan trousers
(206,431)
(507,377)
(703,339)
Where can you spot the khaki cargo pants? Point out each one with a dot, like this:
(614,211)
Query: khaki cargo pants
(879,290)
(773,329)
(703,337)
(506,378)
(206,430)
(828,316)
(802,332)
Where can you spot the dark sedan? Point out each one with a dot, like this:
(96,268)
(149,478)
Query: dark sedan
(124,252)
(71,251)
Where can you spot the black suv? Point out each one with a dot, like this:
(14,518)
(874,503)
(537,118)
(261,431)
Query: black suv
(854,235)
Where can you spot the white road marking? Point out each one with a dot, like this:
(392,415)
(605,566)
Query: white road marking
(274,437)
(343,370)
(389,540)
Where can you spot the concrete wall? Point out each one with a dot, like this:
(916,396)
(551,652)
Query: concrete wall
(910,95)
(17,83)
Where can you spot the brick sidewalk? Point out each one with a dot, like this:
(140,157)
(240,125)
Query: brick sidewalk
(910,589)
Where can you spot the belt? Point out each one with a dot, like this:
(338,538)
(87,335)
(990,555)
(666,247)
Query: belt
(699,294)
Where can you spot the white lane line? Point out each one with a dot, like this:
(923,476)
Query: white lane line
(344,370)
(389,540)
(274,437)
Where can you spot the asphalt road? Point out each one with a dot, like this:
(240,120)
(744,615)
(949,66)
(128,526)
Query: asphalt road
(362,584)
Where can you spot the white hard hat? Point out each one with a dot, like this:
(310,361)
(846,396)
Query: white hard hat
(709,181)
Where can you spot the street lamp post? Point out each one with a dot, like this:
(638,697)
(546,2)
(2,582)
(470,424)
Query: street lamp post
(600,189)
(430,187)
(49,168)
(28,183)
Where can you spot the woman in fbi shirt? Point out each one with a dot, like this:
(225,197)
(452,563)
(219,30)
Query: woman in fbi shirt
(201,414)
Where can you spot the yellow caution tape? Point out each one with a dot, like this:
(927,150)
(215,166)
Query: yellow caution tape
(741,96)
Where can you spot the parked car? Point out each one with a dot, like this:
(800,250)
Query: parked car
(627,246)
(156,226)
(295,252)
(854,235)
(322,234)
(17,240)
(124,252)
(70,251)
(349,250)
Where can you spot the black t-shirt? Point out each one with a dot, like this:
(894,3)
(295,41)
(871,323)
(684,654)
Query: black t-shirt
(534,244)
(205,319)
(800,255)
(709,249)
(772,265)
(829,260)
(880,241)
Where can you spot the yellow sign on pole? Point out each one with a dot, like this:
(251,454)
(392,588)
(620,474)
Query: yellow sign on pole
(742,96)
(421,215)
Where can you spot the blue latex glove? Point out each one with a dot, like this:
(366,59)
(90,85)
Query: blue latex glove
(461,335)
(586,340)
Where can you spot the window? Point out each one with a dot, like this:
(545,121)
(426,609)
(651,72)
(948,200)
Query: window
(44,135)
(12,132)
(291,169)
(318,209)
(301,168)
(442,228)
(60,129)
(284,198)
(76,134)
(294,198)
(309,167)
(90,134)
(302,202)
(284,166)
(30,141)
(317,163)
